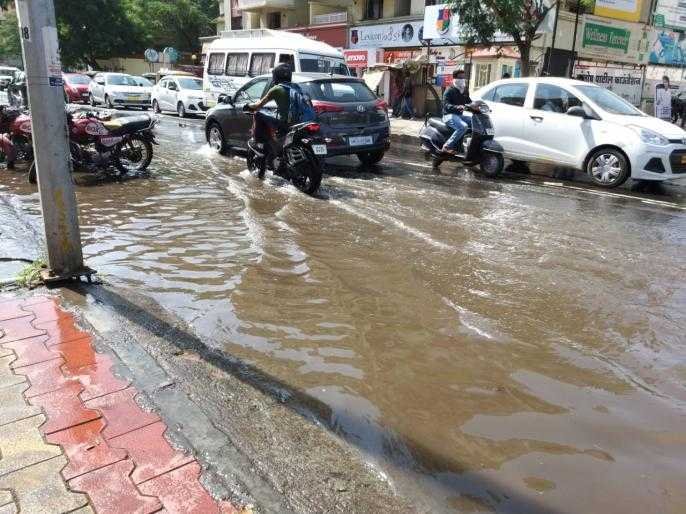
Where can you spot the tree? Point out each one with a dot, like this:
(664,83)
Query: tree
(176,23)
(95,29)
(10,46)
(520,19)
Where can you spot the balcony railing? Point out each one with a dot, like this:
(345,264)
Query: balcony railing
(324,19)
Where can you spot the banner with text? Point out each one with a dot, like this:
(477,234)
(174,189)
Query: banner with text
(623,82)
(627,10)
(671,13)
(667,47)
(612,40)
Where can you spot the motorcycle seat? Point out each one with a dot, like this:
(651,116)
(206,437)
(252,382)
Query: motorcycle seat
(438,124)
(127,124)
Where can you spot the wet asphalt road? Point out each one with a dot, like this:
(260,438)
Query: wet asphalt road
(513,345)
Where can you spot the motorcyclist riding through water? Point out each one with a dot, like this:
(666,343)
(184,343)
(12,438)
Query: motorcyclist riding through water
(454,101)
(281,74)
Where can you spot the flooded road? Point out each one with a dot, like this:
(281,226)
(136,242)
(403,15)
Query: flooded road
(491,346)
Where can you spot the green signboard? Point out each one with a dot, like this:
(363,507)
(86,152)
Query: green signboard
(607,37)
(659,21)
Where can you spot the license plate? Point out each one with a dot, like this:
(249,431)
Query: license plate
(360,140)
(319,149)
(490,132)
(683,159)
(132,98)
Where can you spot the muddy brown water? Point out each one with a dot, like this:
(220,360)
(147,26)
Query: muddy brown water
(490,346)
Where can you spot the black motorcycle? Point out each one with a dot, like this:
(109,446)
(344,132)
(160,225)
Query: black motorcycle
(295,156)
(476,147)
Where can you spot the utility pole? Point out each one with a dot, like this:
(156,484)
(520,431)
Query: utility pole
(43,68)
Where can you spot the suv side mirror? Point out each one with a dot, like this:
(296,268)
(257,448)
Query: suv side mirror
(100,82)
(225,99)
(581,112)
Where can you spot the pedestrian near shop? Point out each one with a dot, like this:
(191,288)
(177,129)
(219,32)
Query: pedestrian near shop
(406,108)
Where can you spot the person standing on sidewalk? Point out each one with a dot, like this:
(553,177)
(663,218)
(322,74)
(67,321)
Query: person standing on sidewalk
(663,100)
(406,108)
(454,100)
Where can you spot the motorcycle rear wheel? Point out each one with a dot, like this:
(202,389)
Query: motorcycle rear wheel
(133,156)
(307,175)
(256,165)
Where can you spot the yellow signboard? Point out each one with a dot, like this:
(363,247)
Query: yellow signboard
(627,10)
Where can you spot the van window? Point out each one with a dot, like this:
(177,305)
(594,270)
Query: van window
(237,65)
(322,64)
(261,64)
(216,64)
(287,59)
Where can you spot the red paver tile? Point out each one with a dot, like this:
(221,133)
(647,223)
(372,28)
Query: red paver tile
(85,448)
(181,492)
(47,310)
(12,309)
(64,408)
(33,300)
(121,412)
(150,451)
(97,379)
(112,491)
(18,328)
(44,377)
(77,354)
(62,330)
(30,351)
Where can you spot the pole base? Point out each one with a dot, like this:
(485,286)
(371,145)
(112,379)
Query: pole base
(49,277)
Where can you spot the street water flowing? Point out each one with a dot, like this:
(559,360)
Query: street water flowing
(509,346)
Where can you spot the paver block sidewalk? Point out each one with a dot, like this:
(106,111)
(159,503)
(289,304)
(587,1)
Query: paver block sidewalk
(73,438)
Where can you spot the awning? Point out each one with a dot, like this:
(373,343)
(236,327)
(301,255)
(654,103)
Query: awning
(373,79)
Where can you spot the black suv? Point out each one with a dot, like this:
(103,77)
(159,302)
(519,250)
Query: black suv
(353,119)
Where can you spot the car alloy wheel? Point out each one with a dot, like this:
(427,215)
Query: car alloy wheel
(181,110)
(216,139)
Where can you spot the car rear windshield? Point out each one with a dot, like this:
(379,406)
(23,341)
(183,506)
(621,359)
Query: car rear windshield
(78,79)
(340,91)
(609,101)
(313,63)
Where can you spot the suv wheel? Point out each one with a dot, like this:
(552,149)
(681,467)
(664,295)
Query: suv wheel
(181,110)
(156,107)
(91,99)
(370,158)
(108,102)
(608,167)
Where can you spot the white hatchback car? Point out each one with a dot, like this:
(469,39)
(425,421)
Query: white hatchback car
(583,126)
(183,95)
(118,90)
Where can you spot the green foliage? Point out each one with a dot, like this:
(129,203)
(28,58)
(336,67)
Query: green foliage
(10,46)
(518,18)
(30,277)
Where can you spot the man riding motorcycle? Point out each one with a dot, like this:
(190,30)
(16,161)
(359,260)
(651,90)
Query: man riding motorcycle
(454,100)
(282,74)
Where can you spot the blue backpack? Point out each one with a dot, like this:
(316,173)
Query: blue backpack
(300,107)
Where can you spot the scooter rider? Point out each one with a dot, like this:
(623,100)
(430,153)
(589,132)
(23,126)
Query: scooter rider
(280,74)
(454,100)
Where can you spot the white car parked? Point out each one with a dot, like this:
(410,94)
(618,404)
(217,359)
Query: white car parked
(118,90)
(583,126)
(182,95)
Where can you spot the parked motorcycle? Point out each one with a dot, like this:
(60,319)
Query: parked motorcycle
(295,156)
(476,147)
(15,136)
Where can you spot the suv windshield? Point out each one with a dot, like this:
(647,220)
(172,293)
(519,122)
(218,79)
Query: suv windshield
(339,91)
(121,80)
(608,101)
(312,63)
(195,84)
(78,79)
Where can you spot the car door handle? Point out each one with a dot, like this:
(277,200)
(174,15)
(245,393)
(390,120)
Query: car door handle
(536,118)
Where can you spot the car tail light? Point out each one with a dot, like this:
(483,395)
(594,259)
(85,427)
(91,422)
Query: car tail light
(381,105)
(322,107)
(313,127)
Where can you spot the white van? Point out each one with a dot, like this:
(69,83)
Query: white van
(239,55)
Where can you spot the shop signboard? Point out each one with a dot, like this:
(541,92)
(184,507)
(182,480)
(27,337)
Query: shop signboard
(627,10)
(390,35)
(613,40)
(671,13)
(667,47)
(441,21)
(362,58)
(334,35)
(621,81)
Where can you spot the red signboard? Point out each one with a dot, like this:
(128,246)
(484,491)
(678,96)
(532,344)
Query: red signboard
(356,58)
(334,35)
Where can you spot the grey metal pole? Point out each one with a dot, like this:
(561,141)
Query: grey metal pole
(50,137)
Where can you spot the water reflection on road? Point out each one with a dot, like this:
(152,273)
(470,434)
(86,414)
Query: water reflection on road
(503,346)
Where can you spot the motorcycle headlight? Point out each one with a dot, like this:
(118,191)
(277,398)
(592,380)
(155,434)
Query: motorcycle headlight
(649,136)
(484,109)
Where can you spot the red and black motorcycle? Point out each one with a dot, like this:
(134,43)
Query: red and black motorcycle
(94,142)
(15,136)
